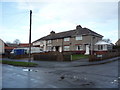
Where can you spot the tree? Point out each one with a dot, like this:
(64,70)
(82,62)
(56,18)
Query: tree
(16,41)
(7,42)
(107,40)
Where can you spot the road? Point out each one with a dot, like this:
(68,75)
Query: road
(94,76)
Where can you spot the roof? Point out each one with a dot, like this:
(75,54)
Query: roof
(78,31)
(15,45)
(24,44)
(12,46)
(9,47)
(118,42)
(102,43)
(1,40)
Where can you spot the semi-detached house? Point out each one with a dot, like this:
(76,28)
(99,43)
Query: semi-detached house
(81,40)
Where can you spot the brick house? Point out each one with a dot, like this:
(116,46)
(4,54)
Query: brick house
(79,40)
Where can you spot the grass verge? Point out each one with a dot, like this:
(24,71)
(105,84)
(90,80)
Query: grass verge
(79,56)
(14,63)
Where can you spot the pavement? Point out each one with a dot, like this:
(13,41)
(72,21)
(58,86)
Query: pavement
(57,64)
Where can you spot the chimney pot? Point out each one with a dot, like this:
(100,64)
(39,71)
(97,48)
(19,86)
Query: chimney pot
(78,27)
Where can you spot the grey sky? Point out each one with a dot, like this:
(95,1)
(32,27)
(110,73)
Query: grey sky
(101,17)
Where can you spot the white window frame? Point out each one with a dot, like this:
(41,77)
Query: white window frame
(49,41)
(67,39)
(100,47)
(66,48)
(78,37)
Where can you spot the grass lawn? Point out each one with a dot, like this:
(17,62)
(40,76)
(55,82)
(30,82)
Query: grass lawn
(14,63)
(79,56)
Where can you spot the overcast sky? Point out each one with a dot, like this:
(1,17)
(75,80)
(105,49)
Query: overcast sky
(101,17)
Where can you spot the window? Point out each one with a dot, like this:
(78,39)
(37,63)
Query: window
(49,41)
(78,37)
(100,47)
(41,42)
(49,48)
(78,47)
(66,48)
(66,39)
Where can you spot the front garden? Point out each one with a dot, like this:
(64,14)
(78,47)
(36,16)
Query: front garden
(79,56)
(16,63)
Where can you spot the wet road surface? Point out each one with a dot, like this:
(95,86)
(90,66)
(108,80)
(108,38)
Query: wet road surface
(96,76)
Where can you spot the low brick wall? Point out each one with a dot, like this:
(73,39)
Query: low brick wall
(18,56)
(52,56)
(45,57)
(107,55)
(73,52)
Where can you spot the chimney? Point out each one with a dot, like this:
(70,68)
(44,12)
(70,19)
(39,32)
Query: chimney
(78,27)
(52,32)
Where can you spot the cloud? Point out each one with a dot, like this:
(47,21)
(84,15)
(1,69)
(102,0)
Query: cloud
(78,12)
(30,5)
(60,0)
(9,34)
(63,15)
(44,30)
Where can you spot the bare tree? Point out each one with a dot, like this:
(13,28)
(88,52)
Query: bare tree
(16,41)
(107,40)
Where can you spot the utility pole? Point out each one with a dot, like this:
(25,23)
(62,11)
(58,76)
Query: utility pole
(91,45)
(30,36)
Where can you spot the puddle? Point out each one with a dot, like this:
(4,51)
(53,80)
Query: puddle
(114,82)
(25,70)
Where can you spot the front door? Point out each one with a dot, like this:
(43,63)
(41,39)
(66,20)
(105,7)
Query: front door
(57,48)
(87,51)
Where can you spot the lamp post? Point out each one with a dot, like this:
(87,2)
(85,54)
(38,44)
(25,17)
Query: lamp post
(30,36)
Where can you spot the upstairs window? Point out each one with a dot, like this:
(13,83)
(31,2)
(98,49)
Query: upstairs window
(78,37)
(66,48)
(49,41)
(66,39)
